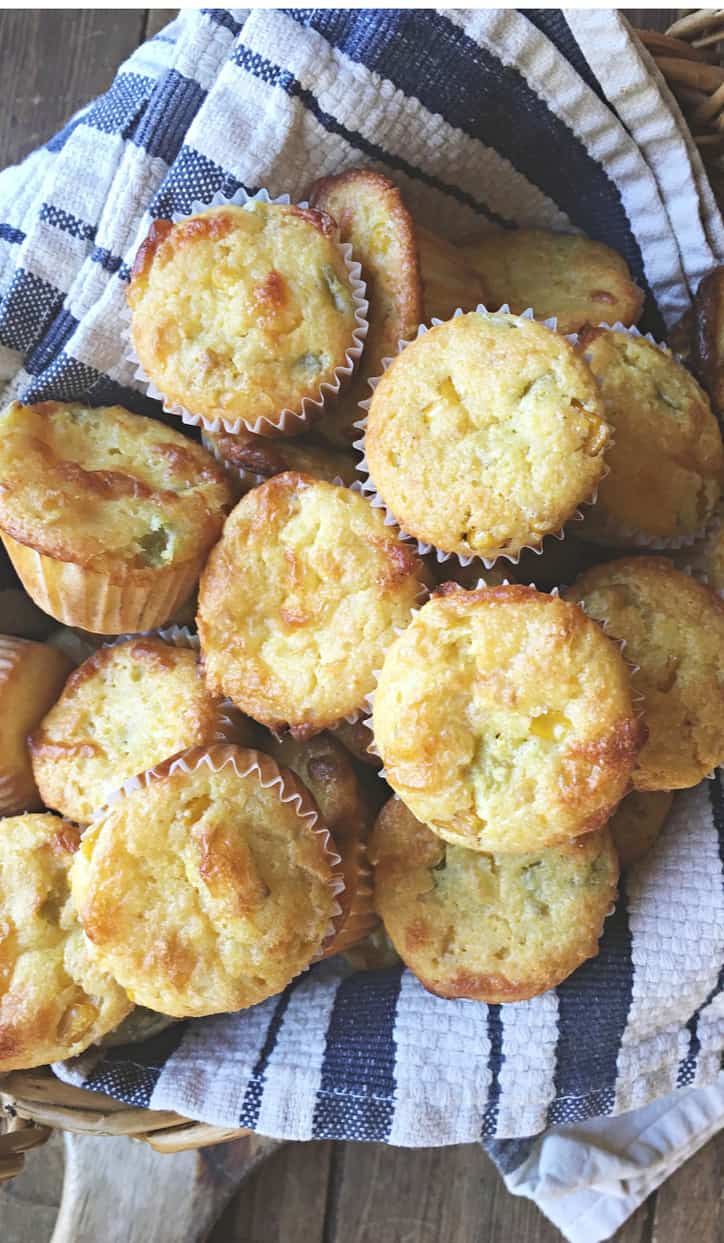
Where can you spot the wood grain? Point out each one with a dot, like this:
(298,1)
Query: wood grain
(284,1201)
(690,1205)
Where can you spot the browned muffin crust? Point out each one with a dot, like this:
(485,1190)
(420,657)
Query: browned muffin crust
(708,336)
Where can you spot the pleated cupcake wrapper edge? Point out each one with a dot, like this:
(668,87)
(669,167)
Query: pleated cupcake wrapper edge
(619,530)
(247,478)
(376,500)
(287,422)
(15,790)
(361,917)
(290,790)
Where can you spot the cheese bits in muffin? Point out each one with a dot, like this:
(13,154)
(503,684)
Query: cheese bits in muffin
(208,885)
(125,709)
(485,434)
(300,600)
(107,516)
(240,313)
(489,927)
(54,999)
(673,628)
(667,459)
(31,678)
(504,720)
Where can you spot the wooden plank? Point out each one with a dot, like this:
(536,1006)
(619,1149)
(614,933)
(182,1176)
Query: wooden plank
(29,1202)
(690,1205)
(53,61)
(156,19)
(284,1200)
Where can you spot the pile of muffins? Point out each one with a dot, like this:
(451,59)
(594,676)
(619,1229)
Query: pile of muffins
(312,669)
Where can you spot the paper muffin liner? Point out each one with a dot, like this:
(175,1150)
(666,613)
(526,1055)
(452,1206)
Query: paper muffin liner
(376,500)
(18,791)
(242,479)
(287,422)
(618,534)
(359,917)
(247,762)
(128,601)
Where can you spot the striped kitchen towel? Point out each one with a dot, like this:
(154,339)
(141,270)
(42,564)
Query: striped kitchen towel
(485,119)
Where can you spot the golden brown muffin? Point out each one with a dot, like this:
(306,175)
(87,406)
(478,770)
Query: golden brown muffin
(449,281)
(571,277)
(708,336)
(673,628)
(638,822)
(489,927)
(125,709)
(328,773)
(208,885)
(357,738)
(485,434)
(239,313)
(330,584)
(373,218)
(261,457)
(666,460)
(107,516)
(706,557)
(503,717)
(54,999)
(375,953)
(31,678)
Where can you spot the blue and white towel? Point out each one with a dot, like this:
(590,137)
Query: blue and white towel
(486,118)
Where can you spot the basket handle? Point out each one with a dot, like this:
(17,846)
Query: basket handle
(122,1191)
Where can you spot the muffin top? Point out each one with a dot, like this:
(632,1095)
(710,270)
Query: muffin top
(262,455)
(485,434)
(674,632)
(206,887)
(98,486)
(299,601)
(242,312)
(503,717)
(124,709)
(54,1000)
(706,556)
(562,274)
(31,678)
(489,927)
(638,822)
(667,459)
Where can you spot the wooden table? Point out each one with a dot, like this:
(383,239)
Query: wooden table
(51,63)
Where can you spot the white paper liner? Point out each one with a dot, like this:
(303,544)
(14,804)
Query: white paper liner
(631,537)
(290,790)
(246,479)
(288,422)
(376,500)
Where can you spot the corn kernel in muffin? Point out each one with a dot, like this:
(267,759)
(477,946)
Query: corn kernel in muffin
(207,887)
(638,822)
(54,999)
(31,678)
(125,709)
(107,516)
(667,459)
(239,313)
(449,281)
(330,584)
(485,434)
(674,632)
(374,220)
(489,927)
(571,277)
(504,719)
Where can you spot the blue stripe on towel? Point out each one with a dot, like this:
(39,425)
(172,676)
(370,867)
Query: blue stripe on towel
(249,1114)
(130,1073)
(495,1061)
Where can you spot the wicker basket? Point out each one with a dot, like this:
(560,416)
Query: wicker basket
(34,1103)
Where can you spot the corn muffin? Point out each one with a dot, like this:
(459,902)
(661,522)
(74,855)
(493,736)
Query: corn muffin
(328,773)
(667,460)
(489,927)
(125,709)
(54,999)
(356,736)
(374,220)
(375,953)
(706,557)
(241,313)
(449,280)
(485,434)
(330,584)
(638,822)
(707,353)
(31,678)
(107,516)
(209,884)
(571,277)
(673,629)
(504,720)
(259,457)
